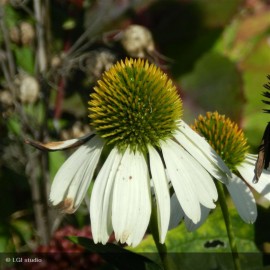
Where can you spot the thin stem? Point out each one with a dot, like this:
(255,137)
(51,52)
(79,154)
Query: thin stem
(41,9)
(4,29)
(41,47)
(228,224)
(166,260)
(39,204)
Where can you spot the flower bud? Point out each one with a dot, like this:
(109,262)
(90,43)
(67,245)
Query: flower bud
(27,33)
(6,98)
(28,89)
(22,34)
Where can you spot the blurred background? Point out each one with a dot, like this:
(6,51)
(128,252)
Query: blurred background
(52,53)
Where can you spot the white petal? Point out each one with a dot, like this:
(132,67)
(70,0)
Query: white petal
(205,186)
(191,226)
(181,176)
(243,199)
(246,169)
(161,189)
(199,148)
(131,206)
(177,213)
(101,198)
(74,176)
(251,158)
(61,145)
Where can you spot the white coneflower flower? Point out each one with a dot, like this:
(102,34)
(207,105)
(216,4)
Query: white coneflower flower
(135,111)
(229,142)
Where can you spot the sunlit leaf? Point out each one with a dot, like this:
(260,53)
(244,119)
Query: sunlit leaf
(209,244)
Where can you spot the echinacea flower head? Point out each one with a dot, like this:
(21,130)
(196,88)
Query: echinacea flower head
(229,142)
(135,113)
(224,136)
(135,105)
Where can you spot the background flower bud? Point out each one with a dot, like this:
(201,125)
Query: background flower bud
(28,89)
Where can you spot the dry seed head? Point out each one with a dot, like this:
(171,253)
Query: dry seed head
(137,41)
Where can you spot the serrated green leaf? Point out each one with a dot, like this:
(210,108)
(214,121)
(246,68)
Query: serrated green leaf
(209,244)
(180,240)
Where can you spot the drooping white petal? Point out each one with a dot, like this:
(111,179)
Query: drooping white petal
(101,198)
(191,226)
(198,147)
(246,169)
(243,199)
(61,145)
(205,186)
(74,176)
(177,213)
(131,206)
(161,189)
(180,174)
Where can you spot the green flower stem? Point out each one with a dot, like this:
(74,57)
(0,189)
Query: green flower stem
(227,219)
(166,260)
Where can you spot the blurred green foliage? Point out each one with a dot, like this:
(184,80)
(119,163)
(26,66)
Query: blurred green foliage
(219,58)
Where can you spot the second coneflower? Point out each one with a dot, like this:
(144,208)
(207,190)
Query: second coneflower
(229,142)
(135,113)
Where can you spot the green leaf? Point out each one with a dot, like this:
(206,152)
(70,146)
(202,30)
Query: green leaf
(218,12)
(4,238)
(23,229)
(209,244)
(11,16)
(215,85)
(14,125)
(56,159)
(116,255)
(25,58)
